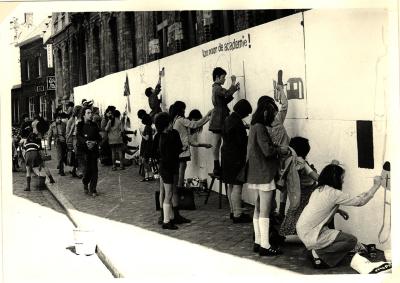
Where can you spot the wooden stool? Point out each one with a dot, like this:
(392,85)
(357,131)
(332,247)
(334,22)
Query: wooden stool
(213,177)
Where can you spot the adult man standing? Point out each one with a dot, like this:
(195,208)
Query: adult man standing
(88,137)
(57,131)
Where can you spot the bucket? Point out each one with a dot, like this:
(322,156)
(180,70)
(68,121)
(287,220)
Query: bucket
(39,182)
(84,241)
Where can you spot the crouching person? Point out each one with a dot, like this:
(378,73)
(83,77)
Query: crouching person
(329,246)
(33,159)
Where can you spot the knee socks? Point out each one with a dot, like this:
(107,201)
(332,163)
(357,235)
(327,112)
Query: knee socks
(167,212)
(264,232)
(256,231)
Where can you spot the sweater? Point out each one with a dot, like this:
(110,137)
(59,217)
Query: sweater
(183,126)
(114,132)
(321,208)
(220,99)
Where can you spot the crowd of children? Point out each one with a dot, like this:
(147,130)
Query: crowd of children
(261,155)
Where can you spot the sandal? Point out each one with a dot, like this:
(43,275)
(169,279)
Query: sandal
(270,251)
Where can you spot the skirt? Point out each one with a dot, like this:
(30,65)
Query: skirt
(263,187)
(288,226)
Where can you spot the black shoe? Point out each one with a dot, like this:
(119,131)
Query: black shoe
(80,176)
(61,173)
(73,174)
(269,252)
(256,248)
(231,215)
(243,218)
(275,238)
(169,226)
(181,220)
(160,220)
(51,180)
(317,262)
(27,189)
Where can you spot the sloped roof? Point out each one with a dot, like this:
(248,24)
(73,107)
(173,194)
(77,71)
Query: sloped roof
(29,35)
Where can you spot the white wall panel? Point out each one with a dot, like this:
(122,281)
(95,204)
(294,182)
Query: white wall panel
(346,64)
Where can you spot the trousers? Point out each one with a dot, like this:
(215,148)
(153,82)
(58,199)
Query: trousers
(90,171)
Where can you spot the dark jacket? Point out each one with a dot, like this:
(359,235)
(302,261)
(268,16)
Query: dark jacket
(234,148)
(220,99)
(87,132)
(262,156)
(154,101)
(25,129)
(170,146)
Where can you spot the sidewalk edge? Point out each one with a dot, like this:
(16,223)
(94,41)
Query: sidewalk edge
(67,206)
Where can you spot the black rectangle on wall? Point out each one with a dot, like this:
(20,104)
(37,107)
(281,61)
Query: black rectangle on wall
(365,144)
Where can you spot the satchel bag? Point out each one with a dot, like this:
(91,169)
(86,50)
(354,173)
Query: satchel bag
(186,199)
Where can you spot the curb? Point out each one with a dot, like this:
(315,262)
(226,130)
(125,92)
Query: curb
(69,209)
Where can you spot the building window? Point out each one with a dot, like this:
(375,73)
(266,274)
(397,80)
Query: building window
(38,63)
(43,106)
(27,70)
(62,20)
(31,107)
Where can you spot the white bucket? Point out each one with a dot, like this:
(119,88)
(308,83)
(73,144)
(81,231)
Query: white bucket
(85,243)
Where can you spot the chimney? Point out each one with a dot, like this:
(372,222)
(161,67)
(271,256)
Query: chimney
(28,19)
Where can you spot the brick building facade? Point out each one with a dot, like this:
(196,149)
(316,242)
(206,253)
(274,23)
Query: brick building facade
(34,95)
(90,45)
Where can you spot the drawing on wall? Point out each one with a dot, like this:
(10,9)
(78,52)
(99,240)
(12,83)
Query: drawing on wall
(294,87)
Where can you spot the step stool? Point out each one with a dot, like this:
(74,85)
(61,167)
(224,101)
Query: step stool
(209,189)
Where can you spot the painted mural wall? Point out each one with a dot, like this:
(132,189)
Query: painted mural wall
(334,63)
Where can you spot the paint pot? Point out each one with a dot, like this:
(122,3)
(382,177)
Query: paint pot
(39,182)
(84,241)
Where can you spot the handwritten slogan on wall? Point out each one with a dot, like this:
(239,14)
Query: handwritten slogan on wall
(242,42)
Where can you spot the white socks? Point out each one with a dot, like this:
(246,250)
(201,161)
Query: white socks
(256,231)
(263,224)
(167,212)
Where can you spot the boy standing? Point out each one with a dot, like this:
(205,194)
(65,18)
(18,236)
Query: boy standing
(220,99)
(169,148)
(152,94)
(58,132)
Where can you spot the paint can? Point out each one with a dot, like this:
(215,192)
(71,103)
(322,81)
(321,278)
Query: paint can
(84,241)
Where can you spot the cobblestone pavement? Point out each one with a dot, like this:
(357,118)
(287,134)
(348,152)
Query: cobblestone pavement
(124,198)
